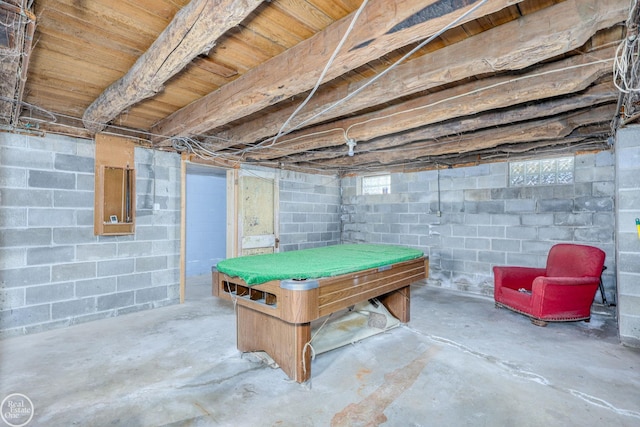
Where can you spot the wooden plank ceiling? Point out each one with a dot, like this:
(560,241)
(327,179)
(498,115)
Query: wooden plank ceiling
(408,84)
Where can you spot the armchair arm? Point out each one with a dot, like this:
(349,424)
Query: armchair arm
(516,277)
(565,281)
(563,295)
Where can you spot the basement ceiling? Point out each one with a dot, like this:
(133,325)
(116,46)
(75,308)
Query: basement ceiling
(298,84)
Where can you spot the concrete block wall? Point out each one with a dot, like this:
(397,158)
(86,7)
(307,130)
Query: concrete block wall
(628,242)
(468,219)
(53,271)
(309,210)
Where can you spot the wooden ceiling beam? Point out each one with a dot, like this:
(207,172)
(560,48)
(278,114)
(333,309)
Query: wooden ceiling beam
(383,27)
(553,128)
(193,31)
(533,38)
(558,78)
(594,96)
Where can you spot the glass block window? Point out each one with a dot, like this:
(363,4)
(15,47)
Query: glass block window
(541,172)
(378,184)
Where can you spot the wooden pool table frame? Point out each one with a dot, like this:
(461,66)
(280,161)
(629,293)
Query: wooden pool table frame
(275,317)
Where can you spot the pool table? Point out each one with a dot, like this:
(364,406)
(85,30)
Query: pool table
(275,316)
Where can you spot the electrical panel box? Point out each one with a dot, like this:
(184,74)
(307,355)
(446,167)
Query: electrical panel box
(115,195)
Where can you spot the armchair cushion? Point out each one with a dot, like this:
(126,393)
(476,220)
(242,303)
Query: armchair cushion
(563,291)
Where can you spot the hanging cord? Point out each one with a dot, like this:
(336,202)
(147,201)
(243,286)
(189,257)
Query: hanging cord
(626,67)
(324,72)
(310,347)
(378,76)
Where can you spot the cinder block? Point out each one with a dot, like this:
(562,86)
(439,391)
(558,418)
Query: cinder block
(133,309)
(555,205)
(165,247)
(25,158)
(505,245)
(67,162)
(556,233)
(541,219)
(627,179)
(85,182)
(477,243)
(594,204)
(134,249)
(580,189)
(595,235)
(574,219)
(49,293)
(13,140)
(13,217)
(602,219)
(134,281)
(151,233)
(151,294)
(151,263)
(498,231)
(20,197)
(113,301)
(490,207)
(50,255)
(76,199)
(116,267)
(522,233)
(519,206)
(492,257)
(13,177)
(13,258)
(12,298)
(92,317)
(628,158)
(27,276)
(21,237)
(409,240)
(49,179)
(54,143)
(464,230)
(492,181)
(51,217)
(24,316)
(170,276)
(84,217)
(399,228)
(605,174)
(605,158)
(72,308)
(508,220)
(96,251)
(629,330)
(73,271)
(67,235)
(105,285)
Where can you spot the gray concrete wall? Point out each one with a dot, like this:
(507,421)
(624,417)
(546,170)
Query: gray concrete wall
(309,210)
(628,241)
(483,222)
(53,271)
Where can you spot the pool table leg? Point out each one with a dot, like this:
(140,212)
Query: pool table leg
(398,303)
(284,342)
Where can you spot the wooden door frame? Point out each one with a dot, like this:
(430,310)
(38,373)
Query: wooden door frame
(233,232)
(185,160)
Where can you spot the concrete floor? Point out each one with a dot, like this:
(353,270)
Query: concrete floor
(459,362)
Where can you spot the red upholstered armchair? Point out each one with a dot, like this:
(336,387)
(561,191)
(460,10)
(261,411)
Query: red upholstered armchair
(561,292)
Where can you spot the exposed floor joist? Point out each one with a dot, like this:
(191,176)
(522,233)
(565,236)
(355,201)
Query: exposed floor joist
(193,31)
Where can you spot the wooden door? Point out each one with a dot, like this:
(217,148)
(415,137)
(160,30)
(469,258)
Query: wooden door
(257,212)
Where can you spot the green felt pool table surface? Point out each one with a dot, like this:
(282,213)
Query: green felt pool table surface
(326,261)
